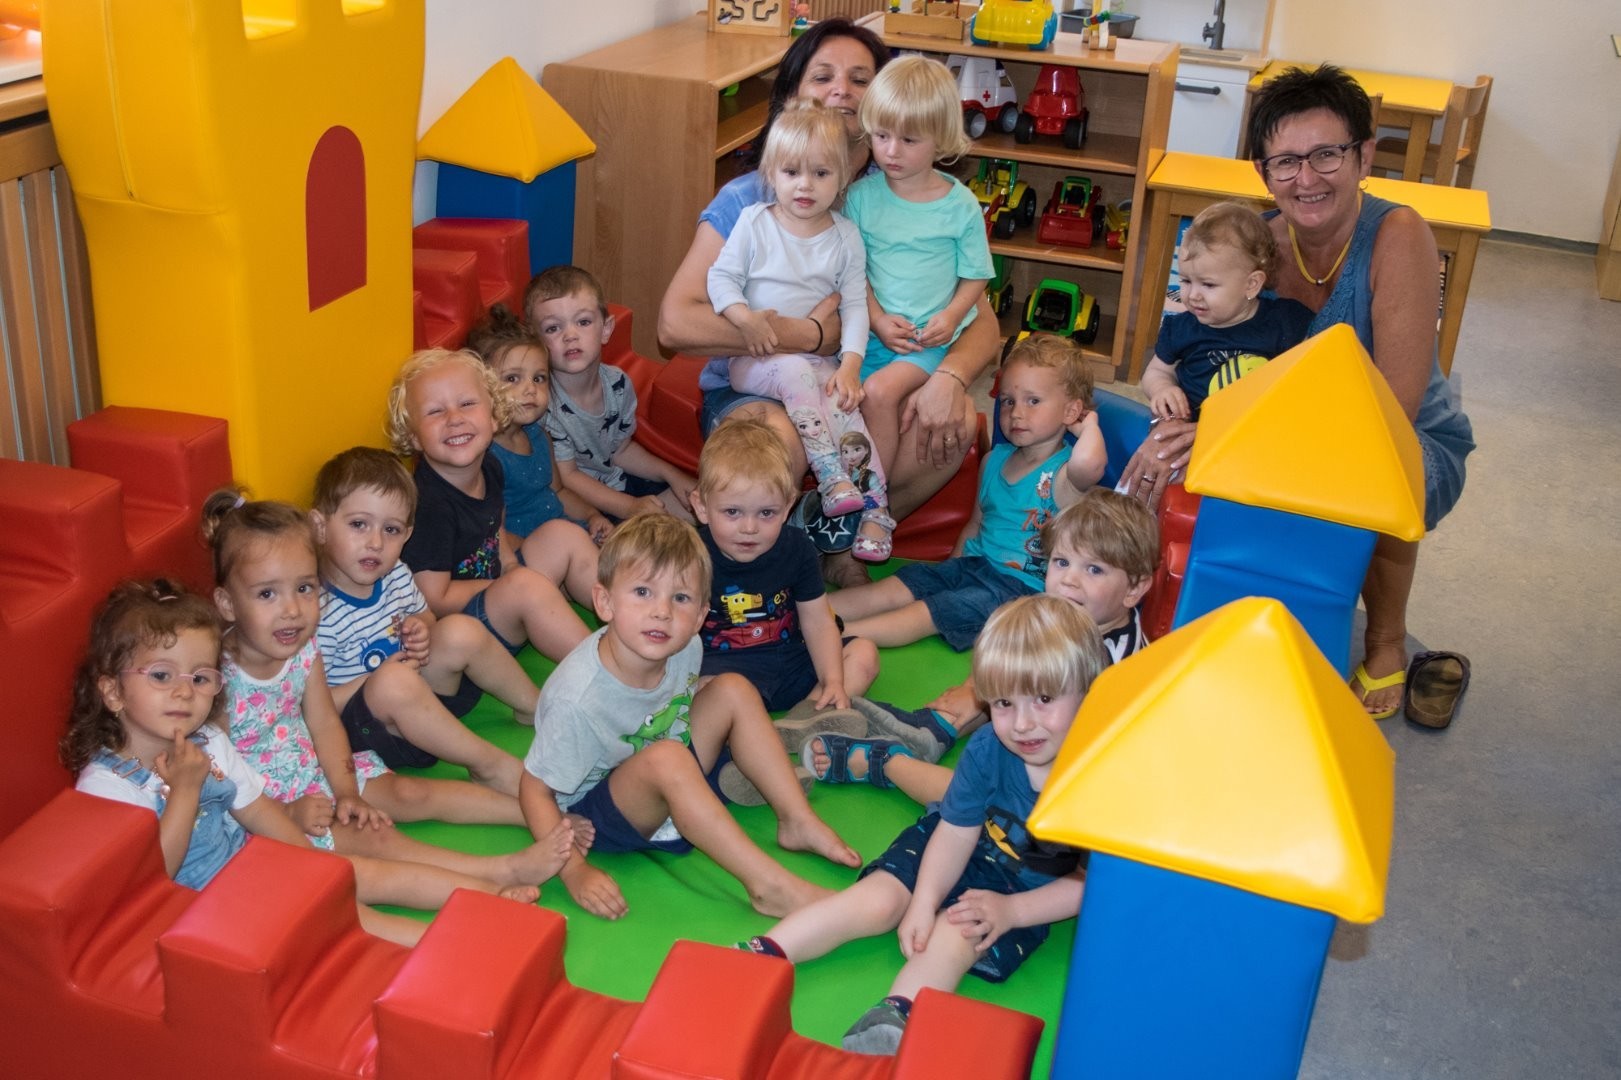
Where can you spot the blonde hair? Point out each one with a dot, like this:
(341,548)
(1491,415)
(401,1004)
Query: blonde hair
(661,543)
(1037,645)
(398,424)
(748,450)
(917,97)
(1057,354)
(807,132)
(1116,529)
(1237,226)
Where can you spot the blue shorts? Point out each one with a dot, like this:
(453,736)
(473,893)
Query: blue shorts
(475,607)
(905,855)
(961,593)
(719,403)
(785,675)
(879,356)
(615,835)
(366,732)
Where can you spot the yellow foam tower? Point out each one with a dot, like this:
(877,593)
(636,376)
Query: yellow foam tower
(244,172)
(1235,798)
(1316,432)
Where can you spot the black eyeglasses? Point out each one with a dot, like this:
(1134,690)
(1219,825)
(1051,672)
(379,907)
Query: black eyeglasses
(1324,160)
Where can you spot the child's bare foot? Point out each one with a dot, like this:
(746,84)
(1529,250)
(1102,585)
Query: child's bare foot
(810,833)
(785,894)
(585,833)
(542,860)
(524,894)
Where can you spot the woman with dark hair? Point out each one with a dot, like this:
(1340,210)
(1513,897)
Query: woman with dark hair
(1372,264)
(833,62)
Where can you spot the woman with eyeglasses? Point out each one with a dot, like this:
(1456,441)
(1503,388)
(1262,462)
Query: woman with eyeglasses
(1356,259)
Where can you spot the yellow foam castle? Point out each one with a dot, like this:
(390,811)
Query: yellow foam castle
(1233,752)
(506,125)
(1317,432)
(243,170)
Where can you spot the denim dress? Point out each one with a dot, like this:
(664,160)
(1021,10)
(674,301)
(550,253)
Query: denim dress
(215,836)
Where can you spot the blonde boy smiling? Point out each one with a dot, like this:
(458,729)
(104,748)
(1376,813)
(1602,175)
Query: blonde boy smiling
(769,619)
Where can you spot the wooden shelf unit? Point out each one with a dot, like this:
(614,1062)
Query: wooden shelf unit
(1128,94)
(665,128)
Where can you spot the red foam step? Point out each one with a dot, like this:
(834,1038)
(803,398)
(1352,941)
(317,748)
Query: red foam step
(448,282)
(501,246)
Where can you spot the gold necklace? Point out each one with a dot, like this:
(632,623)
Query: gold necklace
(1294,245)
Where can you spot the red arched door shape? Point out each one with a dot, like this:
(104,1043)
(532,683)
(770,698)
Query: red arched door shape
(335,217)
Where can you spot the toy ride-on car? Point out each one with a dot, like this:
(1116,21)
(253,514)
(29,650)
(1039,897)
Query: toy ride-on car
(1056,106)
(1073,215)
(1117,224)
(1060,307)
(988,96)
(1014,22)
(1006,200)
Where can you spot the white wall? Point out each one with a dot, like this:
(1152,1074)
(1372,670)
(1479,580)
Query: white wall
(1555,113)
(466,36)
(1551,133)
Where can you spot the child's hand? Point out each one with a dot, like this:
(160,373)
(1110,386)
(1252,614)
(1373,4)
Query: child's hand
(830,697)
(1171,403)
(982,916)
(594,890)
(313,814)
(352,809)
(914,930)
(845,387)
(414,640)
(681,487)
(646,504)
(599,528)
(1089,418)
(183,766)
(897,334)
(958,704)
(937,331)
(757,332)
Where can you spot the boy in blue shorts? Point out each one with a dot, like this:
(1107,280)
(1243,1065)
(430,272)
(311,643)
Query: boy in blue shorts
(401,678)
(968,888)
(625,738)
(1046,390)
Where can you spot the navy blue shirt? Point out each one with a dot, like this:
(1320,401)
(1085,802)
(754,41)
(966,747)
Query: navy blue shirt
(1207,358)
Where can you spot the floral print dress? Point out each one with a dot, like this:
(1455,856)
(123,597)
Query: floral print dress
(268,730)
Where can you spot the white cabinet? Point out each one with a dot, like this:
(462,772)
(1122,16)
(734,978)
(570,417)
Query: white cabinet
(1207,109)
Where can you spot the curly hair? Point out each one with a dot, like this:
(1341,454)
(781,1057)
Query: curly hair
(1237,226)
(137,614)
(1058,354)
(398,426)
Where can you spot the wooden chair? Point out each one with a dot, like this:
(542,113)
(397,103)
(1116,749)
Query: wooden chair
(1452,163)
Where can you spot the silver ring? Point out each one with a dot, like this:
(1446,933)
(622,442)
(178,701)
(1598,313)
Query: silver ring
(1148,476)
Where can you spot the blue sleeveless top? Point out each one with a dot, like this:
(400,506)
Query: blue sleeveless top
(1444,432)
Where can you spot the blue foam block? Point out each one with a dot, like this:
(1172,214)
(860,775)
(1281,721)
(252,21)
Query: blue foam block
(1175,976)
(1315,568)
(546,203)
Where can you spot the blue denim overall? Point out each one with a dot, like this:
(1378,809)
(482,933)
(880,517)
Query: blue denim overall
(215,836)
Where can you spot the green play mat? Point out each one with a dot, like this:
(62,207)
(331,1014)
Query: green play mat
(688,896)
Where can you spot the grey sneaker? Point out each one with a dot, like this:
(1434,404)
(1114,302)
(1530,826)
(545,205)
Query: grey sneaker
(804,720)
(741,790)
(878,1031)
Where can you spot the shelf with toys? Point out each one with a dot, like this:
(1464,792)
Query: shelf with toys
(1128,93)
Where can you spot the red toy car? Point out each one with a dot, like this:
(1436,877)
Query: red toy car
(1056,106)
(1073,215)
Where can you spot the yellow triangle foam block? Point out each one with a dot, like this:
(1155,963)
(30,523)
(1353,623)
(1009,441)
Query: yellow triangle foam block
(1317,432)
(1233,752)
(506,125)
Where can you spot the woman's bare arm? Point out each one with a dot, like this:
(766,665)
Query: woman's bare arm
(688,321)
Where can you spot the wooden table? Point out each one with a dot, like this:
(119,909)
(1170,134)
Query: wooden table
(1409,101)
(1184,184)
